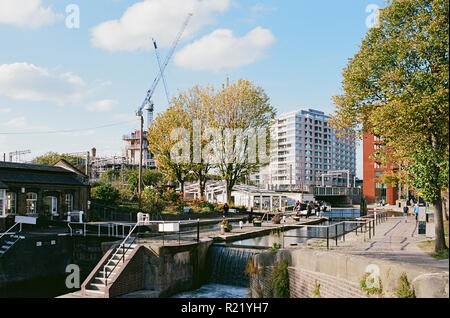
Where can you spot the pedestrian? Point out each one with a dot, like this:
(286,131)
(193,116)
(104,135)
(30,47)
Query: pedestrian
(309,209)
(225,209)
(405,212)
(416,210)
(297,206)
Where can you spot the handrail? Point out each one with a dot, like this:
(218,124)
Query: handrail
(3,234)
(121,245)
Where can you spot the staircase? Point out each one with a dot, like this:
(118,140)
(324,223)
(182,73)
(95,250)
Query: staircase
(97,284)
(108,272)
(7,242)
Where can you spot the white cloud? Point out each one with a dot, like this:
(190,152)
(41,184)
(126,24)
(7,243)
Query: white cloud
(27,13)
(5,110)
(24,81)
(221,49)
(102,105)
(160,19)
(22,124)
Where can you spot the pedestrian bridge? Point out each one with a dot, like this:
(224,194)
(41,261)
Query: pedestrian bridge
(336,191)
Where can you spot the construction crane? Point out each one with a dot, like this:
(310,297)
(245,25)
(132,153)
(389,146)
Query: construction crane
(17,154)
(158,58)
(147,104)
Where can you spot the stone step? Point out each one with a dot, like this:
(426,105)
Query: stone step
(9,243)
(97,286)
(6,247)
(101,280)
(94,291)
(109,273)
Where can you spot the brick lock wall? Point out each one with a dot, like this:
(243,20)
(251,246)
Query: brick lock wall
(131,278)
(302,284)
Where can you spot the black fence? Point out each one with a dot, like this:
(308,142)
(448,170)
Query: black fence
(333,232)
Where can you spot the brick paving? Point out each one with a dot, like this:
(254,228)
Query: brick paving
(397,241)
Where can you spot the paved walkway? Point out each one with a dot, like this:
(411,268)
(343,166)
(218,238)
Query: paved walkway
(397,241)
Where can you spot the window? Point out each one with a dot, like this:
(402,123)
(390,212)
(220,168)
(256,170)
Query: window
(2,203)
(31,203)
(10,203)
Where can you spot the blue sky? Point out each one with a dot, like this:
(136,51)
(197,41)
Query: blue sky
(55,78)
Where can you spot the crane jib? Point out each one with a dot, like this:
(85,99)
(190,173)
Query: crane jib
(163,67)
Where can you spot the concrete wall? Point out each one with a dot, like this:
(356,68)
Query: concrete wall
(339,275)
(26,261)
(162,271)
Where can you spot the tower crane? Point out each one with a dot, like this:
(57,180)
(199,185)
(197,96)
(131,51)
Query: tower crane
(147,104)
(158,58)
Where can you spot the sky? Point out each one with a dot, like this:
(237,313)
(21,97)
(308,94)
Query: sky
(73,73)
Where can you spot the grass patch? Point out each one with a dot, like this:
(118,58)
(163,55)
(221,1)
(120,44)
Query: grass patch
(428,246)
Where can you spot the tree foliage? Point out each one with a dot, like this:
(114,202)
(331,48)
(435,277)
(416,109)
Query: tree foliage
(105,193)
(396,88)
(50,158)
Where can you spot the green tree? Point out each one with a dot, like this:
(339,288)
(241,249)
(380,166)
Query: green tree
(50,158)
(239,110)
(105,193)
(152,201)
(161,144)
(196,102)
(110,176)
(150,178)
(396,87)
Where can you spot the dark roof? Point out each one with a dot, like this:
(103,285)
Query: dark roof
(29,166)
(29,173)
(3,186)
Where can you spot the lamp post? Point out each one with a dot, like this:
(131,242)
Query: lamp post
(140,162)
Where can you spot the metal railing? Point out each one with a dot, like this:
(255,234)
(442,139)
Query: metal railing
(99,230)
(365,225)
(11,233)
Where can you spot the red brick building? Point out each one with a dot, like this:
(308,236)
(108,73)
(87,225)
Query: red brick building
(373,189)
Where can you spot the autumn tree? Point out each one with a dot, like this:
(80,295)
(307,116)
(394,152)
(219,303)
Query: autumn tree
(196,103)
(396,88)
(240,119)
(161,144)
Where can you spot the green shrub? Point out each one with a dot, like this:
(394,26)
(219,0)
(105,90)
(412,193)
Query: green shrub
(280,280)
(152,202)
(275,246)
(404,289)
(371,290)
(316,291)
(105,194)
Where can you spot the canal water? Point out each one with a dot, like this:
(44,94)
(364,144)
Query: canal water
(296,236)
(212,290)
(37,288)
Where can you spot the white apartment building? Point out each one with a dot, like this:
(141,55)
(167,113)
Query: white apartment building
(306,151)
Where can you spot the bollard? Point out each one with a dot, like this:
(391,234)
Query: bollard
(343,229)
(328,238)
(370,229)
(336,234)
(198,230)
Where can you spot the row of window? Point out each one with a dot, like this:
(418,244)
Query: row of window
(8,203)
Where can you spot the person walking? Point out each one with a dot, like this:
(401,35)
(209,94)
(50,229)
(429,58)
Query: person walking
(405,213)
(309,209)
(297,206)
(416,210)
(225,209)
